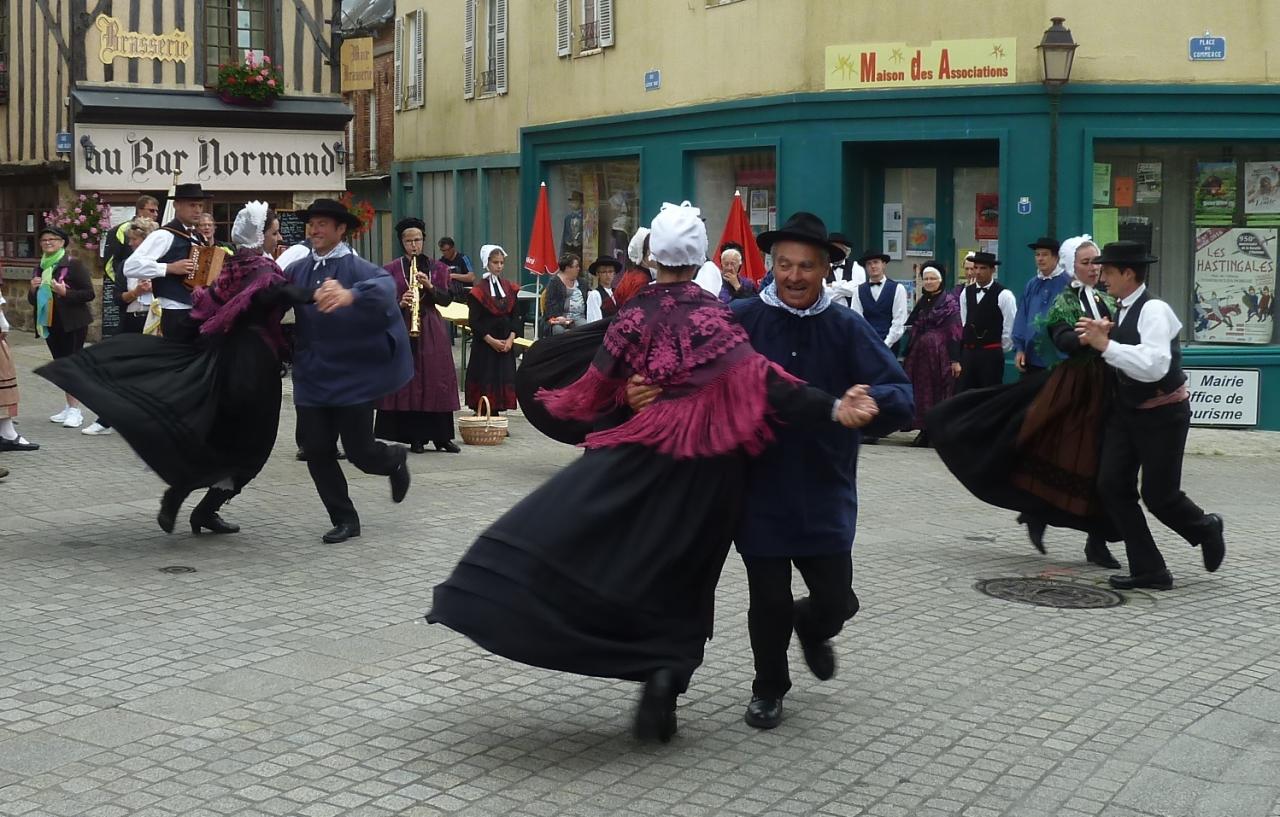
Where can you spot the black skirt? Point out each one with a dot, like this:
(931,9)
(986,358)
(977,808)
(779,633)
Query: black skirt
(615,583)
(553,363)
(414,427)
(195,413)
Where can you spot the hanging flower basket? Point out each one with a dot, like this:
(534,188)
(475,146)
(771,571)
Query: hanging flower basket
(254,82)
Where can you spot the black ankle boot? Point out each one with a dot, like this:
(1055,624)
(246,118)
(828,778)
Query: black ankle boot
(170,504)
(206,515)
(1096,552)
(656,715)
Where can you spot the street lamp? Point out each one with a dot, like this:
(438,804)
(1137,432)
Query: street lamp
(341,153)
(1057,53)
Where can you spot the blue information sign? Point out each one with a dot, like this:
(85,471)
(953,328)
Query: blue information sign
(1207,48)
(63,142)
(652,80)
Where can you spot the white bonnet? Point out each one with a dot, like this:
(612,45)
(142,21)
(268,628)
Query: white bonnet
(635,249)
(251,221)
(488,250)
(677,237)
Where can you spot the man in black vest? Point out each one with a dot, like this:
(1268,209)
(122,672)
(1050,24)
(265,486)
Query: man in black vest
(987,311)
(165,258)
(1147,425)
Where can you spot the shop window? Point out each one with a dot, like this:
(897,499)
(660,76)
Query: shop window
(232,27)
(718,176)
(1211,213)
(583,27)
(595,207)
(22,209)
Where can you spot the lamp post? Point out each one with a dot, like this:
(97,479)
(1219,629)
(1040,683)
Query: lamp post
(1057,52)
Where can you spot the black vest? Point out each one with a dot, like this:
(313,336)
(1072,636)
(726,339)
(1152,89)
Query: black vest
(608,306)
(171,286)
(1132,393)
(984,322)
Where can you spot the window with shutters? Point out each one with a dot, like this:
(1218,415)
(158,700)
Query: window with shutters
(485,42)
(583,27)
(410,60)
(232,27)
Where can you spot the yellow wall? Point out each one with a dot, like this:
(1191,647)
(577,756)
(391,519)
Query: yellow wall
(764,47)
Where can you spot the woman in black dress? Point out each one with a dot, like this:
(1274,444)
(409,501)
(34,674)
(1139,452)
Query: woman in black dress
(491,314)
(201,415)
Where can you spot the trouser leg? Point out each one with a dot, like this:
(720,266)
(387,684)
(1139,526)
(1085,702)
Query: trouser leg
(318,433)
(769,623)
(1118,488)
(831,600)
(355,425)
(1161,440)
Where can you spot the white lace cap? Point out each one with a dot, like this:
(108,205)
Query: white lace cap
(635,249)
(250,224)
(1067,252)
(677,237)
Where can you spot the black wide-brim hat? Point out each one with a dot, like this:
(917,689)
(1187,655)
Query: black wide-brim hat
(605,261)
(873,254)
(1125,254)
(411,223)
(190,191)
(1044,242)
(805,228)
(53,231)
(329,208)
(985,259)
(840,238)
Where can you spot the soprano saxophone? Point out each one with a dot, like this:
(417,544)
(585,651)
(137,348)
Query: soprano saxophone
(415,300)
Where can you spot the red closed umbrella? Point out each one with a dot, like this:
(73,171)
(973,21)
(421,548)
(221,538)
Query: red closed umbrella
(541,259)
(737,229)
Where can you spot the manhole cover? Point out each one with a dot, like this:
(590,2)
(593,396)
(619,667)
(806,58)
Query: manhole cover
(1050,593)
(177,569)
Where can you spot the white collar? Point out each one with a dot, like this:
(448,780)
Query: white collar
(337,252)
(1056,272)
(770,296)
(1127,301)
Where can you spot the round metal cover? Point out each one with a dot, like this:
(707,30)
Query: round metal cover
(1050,593)
(177,569)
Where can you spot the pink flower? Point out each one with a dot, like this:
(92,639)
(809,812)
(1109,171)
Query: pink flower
(271,82)
(263,72)
(93,230)
(266,59)
(84,236)
(82,197)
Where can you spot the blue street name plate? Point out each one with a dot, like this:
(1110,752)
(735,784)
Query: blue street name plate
(1202,49)
(62,143)
(652,80)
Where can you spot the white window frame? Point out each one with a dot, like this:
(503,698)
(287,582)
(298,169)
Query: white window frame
(373,129)
(398,70)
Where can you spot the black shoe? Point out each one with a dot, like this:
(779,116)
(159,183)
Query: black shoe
(870,440)
(763,713)
(1151,581)
(170,504)
(921,440)
(417,448)
(214,522)
(206,515)
(449,447)
(656,715)
(302,456)
(1035,531)
(1097,553)
(341,532)
(821,658)
(400,482)
(1213,548)
(18,444)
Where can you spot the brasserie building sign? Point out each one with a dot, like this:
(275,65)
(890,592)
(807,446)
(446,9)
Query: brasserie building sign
(116,40)
(129,157)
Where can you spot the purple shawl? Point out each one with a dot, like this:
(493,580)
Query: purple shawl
(944,315)
(217,307)
(399,270)
(683,339)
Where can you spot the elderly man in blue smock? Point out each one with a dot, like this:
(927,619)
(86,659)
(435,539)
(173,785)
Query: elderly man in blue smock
(352,348)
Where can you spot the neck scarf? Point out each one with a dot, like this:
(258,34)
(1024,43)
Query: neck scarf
(337,252)
(44,295)
(770,296)
(501,302)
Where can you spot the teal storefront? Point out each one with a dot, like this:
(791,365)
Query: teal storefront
(937,158)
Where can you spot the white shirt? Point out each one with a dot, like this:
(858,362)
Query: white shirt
(4,322)
(1150,359)
(847,282)
(594,304)
(143,264)
(1008,311)
(900,311)
(295,253)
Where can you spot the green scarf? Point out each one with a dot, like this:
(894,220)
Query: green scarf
(44,295)
(1066,309)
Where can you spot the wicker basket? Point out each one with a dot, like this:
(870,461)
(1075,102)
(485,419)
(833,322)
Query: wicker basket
(483,429)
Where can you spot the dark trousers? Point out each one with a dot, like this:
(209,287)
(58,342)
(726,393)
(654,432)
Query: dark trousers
(773,612)
(176,324)
(980,368)
(1031,369)
(1153,441)
(319,428)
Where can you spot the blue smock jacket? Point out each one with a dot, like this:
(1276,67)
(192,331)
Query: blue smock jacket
(1037,298)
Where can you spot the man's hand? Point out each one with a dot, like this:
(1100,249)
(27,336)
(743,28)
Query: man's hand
(1095,333)
(640,394)
(1020,361)
(857,408)
(184,267)
(955,369)
(731,278)
(143,287)
(332,296)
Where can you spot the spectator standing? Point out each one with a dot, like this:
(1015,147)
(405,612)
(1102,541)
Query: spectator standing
(10,439)
(601,302)
(933,353)
(61,294)
(1040,293)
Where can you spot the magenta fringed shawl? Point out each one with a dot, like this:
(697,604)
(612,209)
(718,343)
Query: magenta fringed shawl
(218,306)
(713,383)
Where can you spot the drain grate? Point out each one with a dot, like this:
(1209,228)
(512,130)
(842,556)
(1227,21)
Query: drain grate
(1043,592)
(177,569)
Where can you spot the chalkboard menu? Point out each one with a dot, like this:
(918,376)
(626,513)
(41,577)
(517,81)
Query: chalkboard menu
(110,309)
(292,228)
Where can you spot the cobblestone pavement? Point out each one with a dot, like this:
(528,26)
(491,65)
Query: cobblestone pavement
(286,677)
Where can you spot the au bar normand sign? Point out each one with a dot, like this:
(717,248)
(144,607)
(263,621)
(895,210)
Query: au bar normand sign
(128,157)
(942,63)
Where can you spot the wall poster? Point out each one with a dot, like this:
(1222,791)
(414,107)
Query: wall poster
(1235,282)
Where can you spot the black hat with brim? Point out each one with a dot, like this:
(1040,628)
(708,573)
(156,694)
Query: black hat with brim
(871,255)
(605,261)
(840,238)
(805,228)
(190,191)
(985,259)
(410,223)
(54,231)
(1125,254)
(1044,242)
(329,208)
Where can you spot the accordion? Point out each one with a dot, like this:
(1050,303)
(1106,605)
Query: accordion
(208,263)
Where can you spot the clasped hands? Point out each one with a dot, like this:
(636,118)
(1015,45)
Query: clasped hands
(857,406)
(59,288)
(1095,333)
(332,295)
(501,346)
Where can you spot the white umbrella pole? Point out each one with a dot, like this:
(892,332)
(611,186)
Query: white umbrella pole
(537,302)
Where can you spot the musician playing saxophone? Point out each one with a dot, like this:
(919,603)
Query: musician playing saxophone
(422,411)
